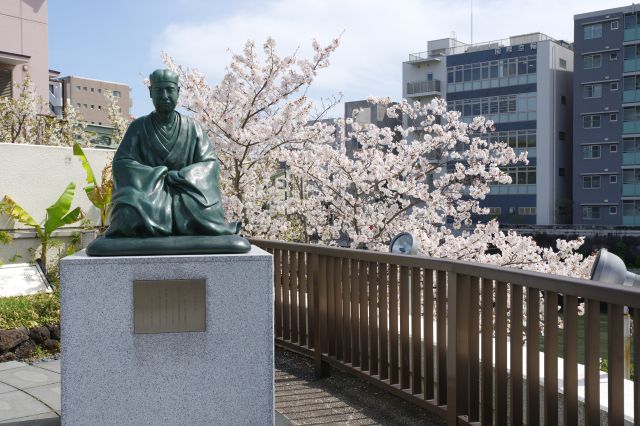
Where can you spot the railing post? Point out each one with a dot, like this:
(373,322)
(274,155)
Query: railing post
(457,347)
(319,282)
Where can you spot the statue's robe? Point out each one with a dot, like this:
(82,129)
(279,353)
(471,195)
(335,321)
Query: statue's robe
(148,200)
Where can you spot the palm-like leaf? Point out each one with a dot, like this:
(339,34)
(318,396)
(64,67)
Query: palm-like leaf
(77,150)
(13,210)
(58,210)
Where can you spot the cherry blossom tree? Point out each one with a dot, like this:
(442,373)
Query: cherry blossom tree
(114,113)
(25,119)
(427,177)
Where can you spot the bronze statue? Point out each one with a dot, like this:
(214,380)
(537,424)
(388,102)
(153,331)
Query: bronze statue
(167,196)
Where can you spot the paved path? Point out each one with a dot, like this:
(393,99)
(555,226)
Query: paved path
(30,396)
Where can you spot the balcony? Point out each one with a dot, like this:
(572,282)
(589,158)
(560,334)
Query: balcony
(513,189)
(631,96)
(630,158)
(631,220)
(631,34)
(423,88)
(631,65)
(630,127)
(631,189)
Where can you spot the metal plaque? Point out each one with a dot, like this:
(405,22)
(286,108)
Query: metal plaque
(169,306)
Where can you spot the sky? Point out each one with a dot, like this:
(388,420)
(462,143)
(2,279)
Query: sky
(121,40)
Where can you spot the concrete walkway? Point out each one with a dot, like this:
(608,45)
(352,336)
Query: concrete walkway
(30,396)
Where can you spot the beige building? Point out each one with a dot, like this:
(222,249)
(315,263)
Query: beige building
(86,95)
(24,45)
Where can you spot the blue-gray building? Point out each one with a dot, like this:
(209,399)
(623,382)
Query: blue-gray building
(523,84)
(606,119)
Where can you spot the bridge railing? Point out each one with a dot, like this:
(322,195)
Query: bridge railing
(386,317)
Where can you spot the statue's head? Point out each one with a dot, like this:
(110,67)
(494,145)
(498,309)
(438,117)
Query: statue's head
(164,90)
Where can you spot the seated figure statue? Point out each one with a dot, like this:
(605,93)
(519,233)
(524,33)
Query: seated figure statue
(166,197)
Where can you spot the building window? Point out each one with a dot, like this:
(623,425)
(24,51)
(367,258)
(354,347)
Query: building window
(615,25)
(78,88)
(500,109)
(613,117)
(99,90)
(100,107)
(591,152)
(93,107)
(591,212)
(92,89)
(591,121)
(614,86)
(84,88)
(613,209)
(526,211)
(561,171)
(592,91)
(613,56)
(592,61)
(79,105)
(613,148)
(563,64)
(562,136)
(116,93)
(591,182)
(563,100)
(85,105)
(592,31)
(613,179)
(495,211)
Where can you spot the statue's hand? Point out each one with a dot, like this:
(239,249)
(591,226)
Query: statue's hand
(172,177)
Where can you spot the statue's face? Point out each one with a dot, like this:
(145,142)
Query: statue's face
(164,96)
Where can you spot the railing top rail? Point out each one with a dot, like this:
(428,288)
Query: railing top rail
(603,292)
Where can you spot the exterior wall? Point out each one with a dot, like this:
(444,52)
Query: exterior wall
(553,186)
(545,117)
(35,176)
(607,198)
(87,97)
(24,41)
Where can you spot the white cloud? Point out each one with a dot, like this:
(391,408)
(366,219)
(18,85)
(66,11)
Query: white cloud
(378,34)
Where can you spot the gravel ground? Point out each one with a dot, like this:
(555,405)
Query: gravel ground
(338,399)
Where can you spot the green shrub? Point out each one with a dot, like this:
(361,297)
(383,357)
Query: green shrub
(29,311)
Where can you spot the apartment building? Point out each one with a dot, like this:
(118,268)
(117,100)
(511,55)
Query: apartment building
(86,95)
(24,45)
(524,85)
(607,117)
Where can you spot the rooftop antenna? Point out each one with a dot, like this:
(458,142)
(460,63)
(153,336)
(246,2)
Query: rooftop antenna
(471,21)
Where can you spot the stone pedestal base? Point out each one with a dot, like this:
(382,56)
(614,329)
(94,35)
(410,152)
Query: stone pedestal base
(223,375)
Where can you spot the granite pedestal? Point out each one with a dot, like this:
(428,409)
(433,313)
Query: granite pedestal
(223,375)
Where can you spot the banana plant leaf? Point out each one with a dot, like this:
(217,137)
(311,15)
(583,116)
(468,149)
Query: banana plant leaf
(91,178)
(13,210)
(58,211)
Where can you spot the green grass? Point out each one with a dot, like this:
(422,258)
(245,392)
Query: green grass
(604,339)
(29,311)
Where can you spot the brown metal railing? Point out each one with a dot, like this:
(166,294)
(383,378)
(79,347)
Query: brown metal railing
(375,313)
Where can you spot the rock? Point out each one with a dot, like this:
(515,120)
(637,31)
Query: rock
(9,339)
(25,349)
(9,356)
(39,334)
(52,345)
(54,330)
